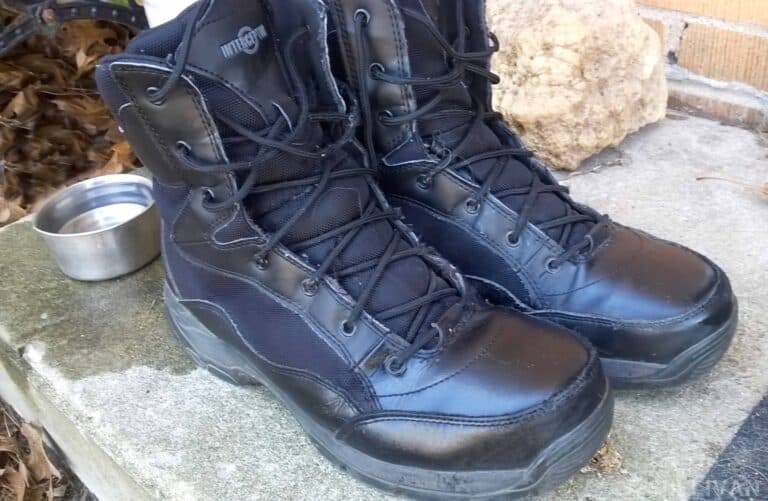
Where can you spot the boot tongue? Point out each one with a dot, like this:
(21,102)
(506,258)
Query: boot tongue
(235,42)
(428,59)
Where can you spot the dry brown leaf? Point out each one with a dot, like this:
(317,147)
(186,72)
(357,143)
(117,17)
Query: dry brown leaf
(16,481)
(59,491)
(23,106)
(605,461)
(39,465)
(90,111)
(10,212)
(12,77)
(9,445)
(22,460)
(39,492)
(122,160)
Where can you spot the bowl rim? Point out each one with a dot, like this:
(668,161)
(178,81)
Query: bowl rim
(89,183)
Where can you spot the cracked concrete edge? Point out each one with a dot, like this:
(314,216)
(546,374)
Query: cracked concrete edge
(97,470)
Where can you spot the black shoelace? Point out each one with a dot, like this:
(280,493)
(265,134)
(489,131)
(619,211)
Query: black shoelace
(279,138)
(472,63)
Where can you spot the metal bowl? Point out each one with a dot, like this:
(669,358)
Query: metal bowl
(102,228)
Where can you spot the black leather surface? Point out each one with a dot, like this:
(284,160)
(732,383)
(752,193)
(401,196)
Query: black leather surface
(455,442)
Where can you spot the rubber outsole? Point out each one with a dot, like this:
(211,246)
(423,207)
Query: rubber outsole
(693,363)
(553,465)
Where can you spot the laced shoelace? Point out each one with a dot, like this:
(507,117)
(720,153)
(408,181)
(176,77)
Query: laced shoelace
(278,138)
(463,63)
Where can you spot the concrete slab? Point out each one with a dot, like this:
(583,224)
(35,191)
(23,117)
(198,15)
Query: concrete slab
(97,366)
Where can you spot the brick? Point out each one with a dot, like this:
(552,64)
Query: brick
(725,55)
(743,11)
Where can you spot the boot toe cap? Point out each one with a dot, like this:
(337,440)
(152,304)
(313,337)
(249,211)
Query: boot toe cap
(526,387)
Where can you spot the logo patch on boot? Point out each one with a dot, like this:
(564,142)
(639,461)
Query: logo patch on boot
(247,42)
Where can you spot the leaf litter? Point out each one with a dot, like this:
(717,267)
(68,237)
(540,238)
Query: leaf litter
(54,127)
(26,470)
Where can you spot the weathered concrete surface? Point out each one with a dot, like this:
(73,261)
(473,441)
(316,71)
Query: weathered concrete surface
(96,364)
(669,439)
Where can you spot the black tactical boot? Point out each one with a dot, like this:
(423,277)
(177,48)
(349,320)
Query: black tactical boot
(287,267)
(657,313)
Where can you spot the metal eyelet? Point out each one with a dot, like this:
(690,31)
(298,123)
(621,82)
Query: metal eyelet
(348,328)
(183,148)
(472,206)
(440,338)
(512,241)
(383,115)
(374,67)
(262,263)
(310,286)
(151,93)
(550,266)
(364,15)
(424,182)
(394,366)
(209,196)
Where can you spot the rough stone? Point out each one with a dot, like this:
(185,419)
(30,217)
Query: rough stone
(578,76)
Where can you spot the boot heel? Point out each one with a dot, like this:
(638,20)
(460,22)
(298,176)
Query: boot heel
(206,349)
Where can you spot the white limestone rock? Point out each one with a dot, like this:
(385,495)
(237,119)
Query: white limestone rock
(578,76)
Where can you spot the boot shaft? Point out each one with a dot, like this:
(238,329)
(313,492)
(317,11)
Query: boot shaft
(382,37)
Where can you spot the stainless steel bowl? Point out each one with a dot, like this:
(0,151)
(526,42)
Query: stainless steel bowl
(102,228)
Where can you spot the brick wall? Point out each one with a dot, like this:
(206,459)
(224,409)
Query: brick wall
(718,55)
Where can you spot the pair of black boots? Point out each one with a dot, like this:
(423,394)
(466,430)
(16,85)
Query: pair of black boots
(291,203)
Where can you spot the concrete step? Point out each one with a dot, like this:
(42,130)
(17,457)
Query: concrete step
(96,365)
